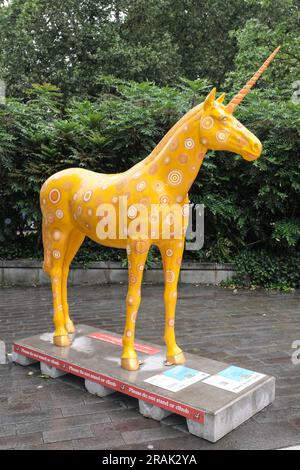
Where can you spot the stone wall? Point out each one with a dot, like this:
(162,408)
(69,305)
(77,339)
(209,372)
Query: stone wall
(30,272)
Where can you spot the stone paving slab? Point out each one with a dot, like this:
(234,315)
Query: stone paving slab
(253,329)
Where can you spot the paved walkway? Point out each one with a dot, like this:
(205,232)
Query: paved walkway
(253,329)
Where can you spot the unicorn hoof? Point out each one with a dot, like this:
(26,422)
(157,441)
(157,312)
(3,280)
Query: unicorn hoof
(70,327)
(62,341)
(177,359)
(130,363)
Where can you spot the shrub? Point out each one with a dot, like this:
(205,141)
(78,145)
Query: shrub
(247,205)
(265,269)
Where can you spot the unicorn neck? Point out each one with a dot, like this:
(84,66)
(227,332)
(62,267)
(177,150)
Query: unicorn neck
(180,159)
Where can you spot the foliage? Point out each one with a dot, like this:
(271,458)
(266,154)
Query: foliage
(70,43)
(287,231)
(246,204)
(98,85)
(40,135)
(264,269)
(260,35)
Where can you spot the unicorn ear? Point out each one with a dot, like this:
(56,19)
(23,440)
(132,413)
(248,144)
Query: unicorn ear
(221,98)
(209,100)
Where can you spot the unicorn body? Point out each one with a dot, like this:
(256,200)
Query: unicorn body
(143,206)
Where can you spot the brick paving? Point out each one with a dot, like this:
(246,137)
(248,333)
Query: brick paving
(253,329)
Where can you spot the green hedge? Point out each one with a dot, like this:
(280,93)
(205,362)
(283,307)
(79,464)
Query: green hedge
(264,269)
(248,206)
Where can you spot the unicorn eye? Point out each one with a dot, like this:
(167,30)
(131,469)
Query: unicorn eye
(224,118)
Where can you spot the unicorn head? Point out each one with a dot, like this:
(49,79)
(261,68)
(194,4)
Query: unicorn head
(220,130)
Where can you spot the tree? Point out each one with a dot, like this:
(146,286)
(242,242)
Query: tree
(277,25)
(69,44)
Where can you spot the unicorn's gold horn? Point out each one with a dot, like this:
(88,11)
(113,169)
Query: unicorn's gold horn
(236,100)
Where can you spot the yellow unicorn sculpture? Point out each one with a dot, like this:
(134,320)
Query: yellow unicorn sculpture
(144,206)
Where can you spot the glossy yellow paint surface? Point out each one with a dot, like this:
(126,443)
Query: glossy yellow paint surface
(135,209)
(74,203)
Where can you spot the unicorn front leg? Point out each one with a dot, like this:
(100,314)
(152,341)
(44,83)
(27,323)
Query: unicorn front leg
(171,252)
(137,252)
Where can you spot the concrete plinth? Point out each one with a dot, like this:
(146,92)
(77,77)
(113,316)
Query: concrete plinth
(151,411)
(22,360)
(2,352)
(51,371)
(214,397)
(97,389)
(230,417)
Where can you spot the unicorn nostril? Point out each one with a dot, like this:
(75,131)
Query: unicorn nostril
(256,147)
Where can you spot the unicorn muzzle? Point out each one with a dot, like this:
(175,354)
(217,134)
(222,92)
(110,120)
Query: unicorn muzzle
(252,151)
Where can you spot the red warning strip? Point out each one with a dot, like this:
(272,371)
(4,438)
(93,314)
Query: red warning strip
(108,338)
(162,402)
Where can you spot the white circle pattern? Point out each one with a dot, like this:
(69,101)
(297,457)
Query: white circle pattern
(222,136)
(175,177)
(59,214)
(189,143)
(141,186)
(132,212)
(207,122)
(54,196)
(87,196)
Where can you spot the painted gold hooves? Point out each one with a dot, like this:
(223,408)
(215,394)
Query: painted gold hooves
(130,363)
(62,341)
(70,327)
(177,359)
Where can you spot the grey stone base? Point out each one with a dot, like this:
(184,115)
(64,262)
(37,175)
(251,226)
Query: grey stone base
(211,412)
(97,389)
(152,411)
(2,352)
(230,417)
(22,360)
(51,371)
